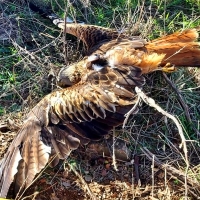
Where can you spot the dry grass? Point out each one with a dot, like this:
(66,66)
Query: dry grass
(31,53)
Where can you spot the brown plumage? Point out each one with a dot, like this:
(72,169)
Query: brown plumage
(178,49)
(91,35)
(67,117)
(102,91)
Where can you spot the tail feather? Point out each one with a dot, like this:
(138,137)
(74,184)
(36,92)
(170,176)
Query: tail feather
(179,48)
(188,35)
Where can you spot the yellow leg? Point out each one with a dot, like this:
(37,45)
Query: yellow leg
(168,68)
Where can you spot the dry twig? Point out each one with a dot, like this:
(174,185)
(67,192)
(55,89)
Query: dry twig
(114,163)
(192,184)
(181,100)
(180,97)
(130,112)
(149,101)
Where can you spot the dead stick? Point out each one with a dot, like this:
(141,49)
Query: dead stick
(182,102)
(180,98)
(149,101)
(175,173)
(65,49)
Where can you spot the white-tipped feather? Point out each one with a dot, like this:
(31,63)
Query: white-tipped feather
(97,67)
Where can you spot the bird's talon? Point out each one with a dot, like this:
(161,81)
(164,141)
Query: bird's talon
(168,68)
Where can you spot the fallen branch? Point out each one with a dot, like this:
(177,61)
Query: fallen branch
(149,101)
(180,98)
(194,185)
(181,101)
(130,112)
(114,163)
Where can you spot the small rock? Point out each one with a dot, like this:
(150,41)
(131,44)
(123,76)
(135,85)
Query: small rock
(88,178)
(66,184)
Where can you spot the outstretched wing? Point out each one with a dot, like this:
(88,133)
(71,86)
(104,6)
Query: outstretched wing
(89,34)
(178,49)
(65,118)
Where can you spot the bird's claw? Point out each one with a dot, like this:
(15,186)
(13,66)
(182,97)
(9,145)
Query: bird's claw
(168,68)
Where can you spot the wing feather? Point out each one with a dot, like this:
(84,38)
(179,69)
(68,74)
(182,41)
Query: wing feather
(64,119)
